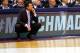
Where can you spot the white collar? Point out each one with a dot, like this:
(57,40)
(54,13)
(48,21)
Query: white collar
(27,11)
(35,6)
(64,4)
(4,7)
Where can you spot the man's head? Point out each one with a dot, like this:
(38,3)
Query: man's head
(36,2)
(52,2)
(29,6)
(5,2)
(20,2)
(65,1)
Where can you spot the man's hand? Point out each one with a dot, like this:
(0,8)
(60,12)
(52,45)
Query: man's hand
(33,10)
(28,26)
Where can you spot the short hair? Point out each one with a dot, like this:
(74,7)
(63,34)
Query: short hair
(18,0)
(2,1)
(26,4)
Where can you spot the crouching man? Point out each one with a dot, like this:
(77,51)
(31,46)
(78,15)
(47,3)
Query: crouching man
(27,22)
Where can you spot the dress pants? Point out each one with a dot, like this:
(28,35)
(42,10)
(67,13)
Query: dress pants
(20,28)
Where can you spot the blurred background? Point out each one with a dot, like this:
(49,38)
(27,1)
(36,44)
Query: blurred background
(8,4)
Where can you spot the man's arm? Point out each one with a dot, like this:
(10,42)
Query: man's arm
(20,21)
(20,18)
(35,17)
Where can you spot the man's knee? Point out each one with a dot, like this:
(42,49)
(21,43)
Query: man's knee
(39,25)
(17,26)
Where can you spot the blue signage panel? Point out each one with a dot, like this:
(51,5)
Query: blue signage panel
(53,24)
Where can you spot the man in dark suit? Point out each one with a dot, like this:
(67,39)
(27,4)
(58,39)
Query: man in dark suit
(27,22)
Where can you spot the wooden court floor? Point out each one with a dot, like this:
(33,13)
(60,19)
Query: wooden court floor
(64,42)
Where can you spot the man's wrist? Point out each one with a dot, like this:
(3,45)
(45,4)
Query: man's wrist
(26,25)
(35,15)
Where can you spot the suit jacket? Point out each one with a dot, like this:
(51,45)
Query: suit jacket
(23,18)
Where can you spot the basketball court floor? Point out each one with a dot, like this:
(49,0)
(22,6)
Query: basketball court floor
(49,42)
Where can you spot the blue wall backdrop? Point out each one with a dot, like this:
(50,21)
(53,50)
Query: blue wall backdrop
(56,22)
